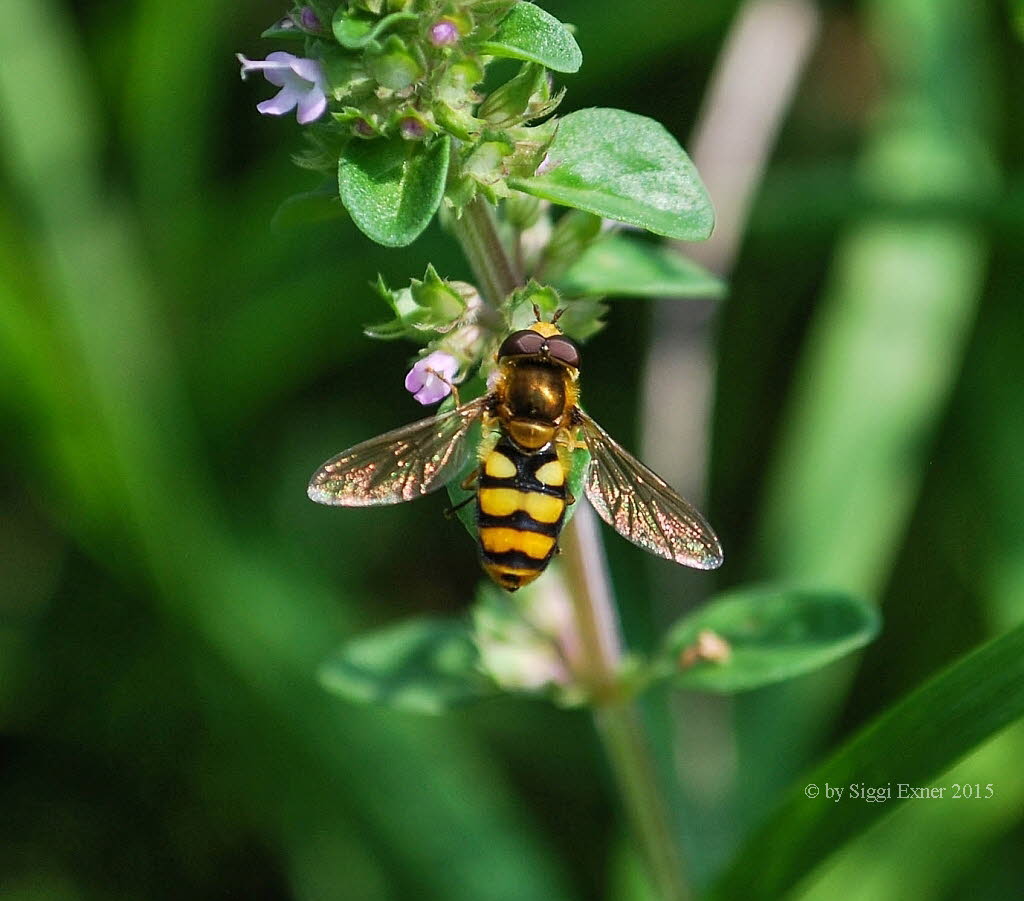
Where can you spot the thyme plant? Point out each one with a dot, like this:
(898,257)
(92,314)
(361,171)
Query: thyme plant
(548,211)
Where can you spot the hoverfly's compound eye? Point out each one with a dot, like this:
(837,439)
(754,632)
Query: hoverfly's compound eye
(522,342)
(564,350)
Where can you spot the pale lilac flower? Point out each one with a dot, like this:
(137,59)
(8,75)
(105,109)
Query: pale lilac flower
(425,386)
(302,83)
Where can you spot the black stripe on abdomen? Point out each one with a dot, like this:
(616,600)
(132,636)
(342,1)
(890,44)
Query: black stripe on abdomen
(514,560)
(521,521)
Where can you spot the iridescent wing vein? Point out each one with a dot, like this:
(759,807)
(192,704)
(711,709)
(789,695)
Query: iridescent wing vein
(641,507)
(400,465)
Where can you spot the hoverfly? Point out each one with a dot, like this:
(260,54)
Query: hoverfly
(531,423)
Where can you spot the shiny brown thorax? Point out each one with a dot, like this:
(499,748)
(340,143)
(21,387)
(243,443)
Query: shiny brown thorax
(533,397)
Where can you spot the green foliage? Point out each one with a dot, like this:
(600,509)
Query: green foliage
(355,33)
(626,267)
(420,665)
(624,167)
(913,742)
(771,634)
(171,370)
(529,33)
(308,208)
(392,188)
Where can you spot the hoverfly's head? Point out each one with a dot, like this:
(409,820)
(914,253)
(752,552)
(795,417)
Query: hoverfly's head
(544,340)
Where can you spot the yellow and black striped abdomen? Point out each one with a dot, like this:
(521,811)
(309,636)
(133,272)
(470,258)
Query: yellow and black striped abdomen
(520,505)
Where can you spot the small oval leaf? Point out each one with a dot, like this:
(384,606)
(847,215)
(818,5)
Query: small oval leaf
(392,188)
(310,208)
(626,267)
(420,665)
(627,168)
(769,634)
(530,33)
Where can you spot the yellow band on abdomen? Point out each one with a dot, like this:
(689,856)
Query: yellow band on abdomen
(501,540)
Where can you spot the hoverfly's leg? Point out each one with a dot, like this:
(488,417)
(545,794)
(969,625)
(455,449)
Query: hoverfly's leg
(565,444)
(467,484)
(451,511)
(441,377)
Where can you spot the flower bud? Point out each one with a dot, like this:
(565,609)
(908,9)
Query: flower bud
(443,302)
(394,66)
(522,210)
(572,234)
(414,125)
(309,20)
(444,33)
(362,125)
(508,105)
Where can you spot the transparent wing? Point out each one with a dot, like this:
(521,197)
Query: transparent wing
(641,507)
(401,465)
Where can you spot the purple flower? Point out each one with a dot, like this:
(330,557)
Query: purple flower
(444,33)
(423,380)
(302,83)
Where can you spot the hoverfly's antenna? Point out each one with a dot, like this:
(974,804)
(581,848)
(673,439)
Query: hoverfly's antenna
(554,319)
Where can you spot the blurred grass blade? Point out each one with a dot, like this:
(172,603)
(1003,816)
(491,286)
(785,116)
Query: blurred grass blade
(772,634)
(619,266)
(914,742)
(881,357)
(144,506)
(420,665)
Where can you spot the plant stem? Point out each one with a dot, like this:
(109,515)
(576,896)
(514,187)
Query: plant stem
(617,717)
(496,273)
(622,731)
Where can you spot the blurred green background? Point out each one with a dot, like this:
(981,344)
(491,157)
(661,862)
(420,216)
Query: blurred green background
(172,370)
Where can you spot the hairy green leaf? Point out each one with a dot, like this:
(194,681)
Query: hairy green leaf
(422,665)
(392,188)
(624,167)
(772,634)
(625,267)
(529,33)
(912,743)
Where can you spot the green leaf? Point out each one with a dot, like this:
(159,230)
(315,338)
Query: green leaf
(627,267)
(321,205)
(284,29)
(914,742)
(354,33)
(773,633)
(624,167)
(392,188)
(421,665)
(529,33)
